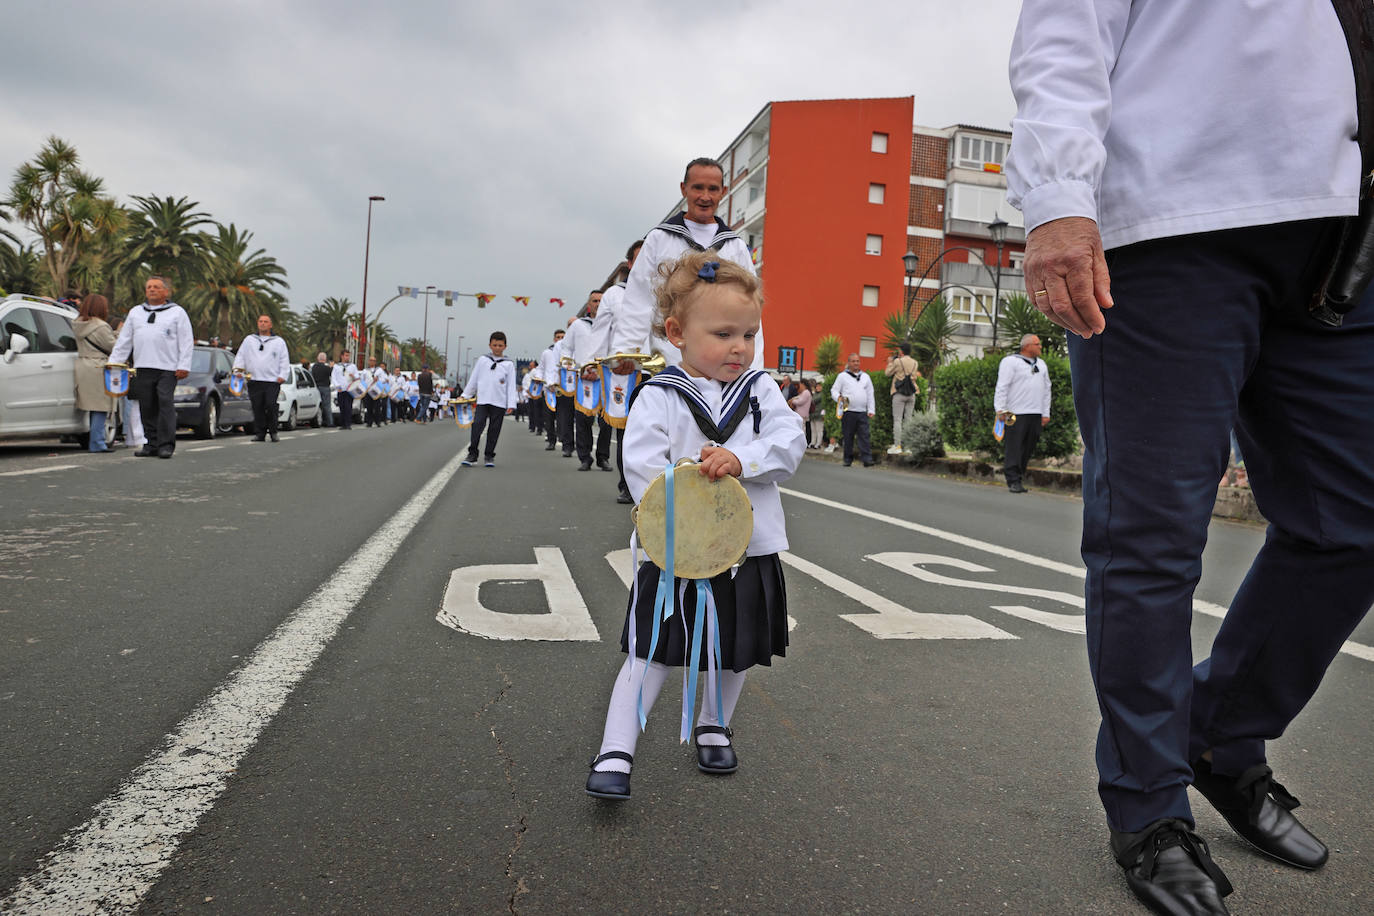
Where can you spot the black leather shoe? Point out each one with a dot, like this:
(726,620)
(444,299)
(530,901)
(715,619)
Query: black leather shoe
(146,452)
(1016,488)
(567,453)
(1170,869)
(715,759)
(549,447)
(1258,809)
(604,466)
(585,466)
(164,453)
(614,786)
(259,438)
(625,499)
(274,438)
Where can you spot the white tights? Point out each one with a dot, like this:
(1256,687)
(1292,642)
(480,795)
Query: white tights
(622,716)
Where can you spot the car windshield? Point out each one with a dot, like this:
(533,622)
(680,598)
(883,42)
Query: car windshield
(201,361)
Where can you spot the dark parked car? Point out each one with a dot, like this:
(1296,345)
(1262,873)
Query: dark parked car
(204,401)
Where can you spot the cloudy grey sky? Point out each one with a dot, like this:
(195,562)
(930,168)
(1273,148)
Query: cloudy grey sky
(520,145)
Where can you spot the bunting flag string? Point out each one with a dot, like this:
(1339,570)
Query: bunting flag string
(484,298)
(448,295)
(559,301)
(523,300)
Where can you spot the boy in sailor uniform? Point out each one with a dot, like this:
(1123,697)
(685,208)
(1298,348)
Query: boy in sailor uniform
(548,367)
(492,382)
(695,229)
(580,344)
(341,377)
(263,356)
(711,407)
(603,330)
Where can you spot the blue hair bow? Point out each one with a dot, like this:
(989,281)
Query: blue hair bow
(708,271)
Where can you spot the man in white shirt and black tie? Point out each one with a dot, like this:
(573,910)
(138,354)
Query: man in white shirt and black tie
(264,358)
(854,391)
(1022,399)
(159,337)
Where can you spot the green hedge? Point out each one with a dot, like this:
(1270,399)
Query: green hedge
(880,426)
(965,389)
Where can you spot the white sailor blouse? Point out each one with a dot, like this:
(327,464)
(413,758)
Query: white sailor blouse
(664,426)
(668,241)
(493,381)
(263,358)
(603,325)
(341,376)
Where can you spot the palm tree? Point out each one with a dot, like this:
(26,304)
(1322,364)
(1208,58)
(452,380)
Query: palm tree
(64,206)
(235,286)
(163,238)
(1020,318)
(827,356)
(21,269)
(325,326)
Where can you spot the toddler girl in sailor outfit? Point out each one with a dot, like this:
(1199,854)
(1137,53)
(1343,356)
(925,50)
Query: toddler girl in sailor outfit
(712,408)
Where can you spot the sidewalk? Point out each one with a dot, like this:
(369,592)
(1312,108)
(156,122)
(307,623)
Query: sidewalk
(1236,503)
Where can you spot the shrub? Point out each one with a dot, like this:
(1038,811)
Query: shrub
(880,425)
(827,355)
(965,407)
(921,437)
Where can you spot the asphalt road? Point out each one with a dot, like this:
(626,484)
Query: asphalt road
(279,679)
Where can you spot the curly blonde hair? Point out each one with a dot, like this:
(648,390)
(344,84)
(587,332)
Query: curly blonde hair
(680,281)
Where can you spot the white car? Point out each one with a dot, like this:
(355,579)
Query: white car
(38,371)
(299,400)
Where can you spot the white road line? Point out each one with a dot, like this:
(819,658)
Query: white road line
(204,448)
(1358,650)
(55,467)
(109,863)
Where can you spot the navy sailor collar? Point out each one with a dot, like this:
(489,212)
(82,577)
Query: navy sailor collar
(735,401)
(677,225)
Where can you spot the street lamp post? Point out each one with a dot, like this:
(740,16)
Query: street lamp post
(461,373)
(467,360)
(424,335)
(909,262)
(448,332)
(367,251)
(998,229)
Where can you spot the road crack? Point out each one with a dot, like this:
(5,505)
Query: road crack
(517,883)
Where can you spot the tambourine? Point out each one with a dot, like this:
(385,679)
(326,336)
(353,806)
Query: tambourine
(117,379)
(464,409)
(712,522)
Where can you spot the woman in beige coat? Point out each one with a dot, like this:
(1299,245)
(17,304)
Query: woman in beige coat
(94,341)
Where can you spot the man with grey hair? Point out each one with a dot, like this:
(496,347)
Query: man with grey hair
(158,334)
(320,372)
(1022,399)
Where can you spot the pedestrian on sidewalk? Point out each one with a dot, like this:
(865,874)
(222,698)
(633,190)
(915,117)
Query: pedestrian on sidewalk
(902,369)
(321,372)
(95,340)
(801,404)
(492,383)
(1022,400)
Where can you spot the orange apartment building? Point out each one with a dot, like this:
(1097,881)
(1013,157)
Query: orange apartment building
(831,194)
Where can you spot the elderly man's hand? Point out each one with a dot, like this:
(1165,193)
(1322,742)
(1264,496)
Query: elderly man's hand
(1066,274)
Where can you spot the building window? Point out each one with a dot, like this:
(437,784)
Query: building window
(873,244)
(975,152)
(978,204)
(876,193)
(963,308)
(1016,259)
(754,193)
(879,143)
(870,297)
(868,346)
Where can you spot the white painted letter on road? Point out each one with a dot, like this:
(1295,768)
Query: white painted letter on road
(567,619)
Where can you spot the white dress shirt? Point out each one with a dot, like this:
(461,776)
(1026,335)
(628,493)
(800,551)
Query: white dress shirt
(634,315)
(661,430)
(858,390)
(341,376)
(264,358)
(548,363)
(1167,117)
(1023,386)
(492,381)
(578,342)
(167,343)
(603,325)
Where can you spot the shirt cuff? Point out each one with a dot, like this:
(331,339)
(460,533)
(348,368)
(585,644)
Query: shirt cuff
(1057,200)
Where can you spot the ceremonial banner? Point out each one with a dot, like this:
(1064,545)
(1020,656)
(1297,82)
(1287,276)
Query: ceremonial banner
(588,397)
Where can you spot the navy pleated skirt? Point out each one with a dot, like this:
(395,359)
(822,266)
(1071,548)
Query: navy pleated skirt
(751,608)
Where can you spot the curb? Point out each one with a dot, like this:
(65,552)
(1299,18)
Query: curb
(1235,503)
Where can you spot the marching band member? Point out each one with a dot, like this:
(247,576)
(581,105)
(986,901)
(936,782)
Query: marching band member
(370,412)
(341,379)
(531,407)
(854,390)
(492,382)
(444,395)
(695,229)
(264,358)
(158,334)
(548,368)
(711,310)
(581,345)
(603,331)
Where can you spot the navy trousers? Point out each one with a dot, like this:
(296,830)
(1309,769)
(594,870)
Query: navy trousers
(1211,331)
(488,417)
